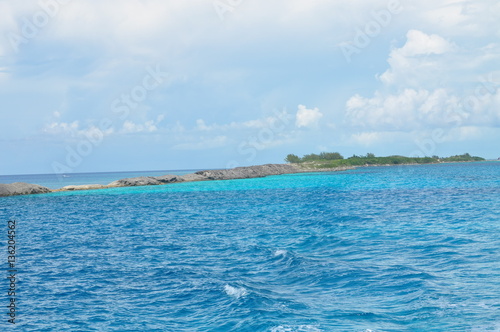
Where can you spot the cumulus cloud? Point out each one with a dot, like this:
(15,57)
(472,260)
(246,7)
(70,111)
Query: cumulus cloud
(412,97)
(417,109)
(411,63)
(419,43)
(307,117)
(408,110)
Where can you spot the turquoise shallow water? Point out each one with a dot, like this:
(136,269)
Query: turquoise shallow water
(410,248)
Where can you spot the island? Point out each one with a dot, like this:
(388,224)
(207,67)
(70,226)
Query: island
(335,159)
(325,161)
(20,188)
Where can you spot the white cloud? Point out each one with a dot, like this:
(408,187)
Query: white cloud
(419,43)
(278,120)
(307,117)
(430,83)
(130,127)
(57,128)
(458,17)
(414,62)
(73,130)
(201,125)
(150,126)
(417,109)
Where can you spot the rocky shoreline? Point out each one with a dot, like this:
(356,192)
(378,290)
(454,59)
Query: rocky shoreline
(21,188)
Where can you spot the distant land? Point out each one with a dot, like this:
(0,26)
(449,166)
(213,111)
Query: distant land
(326,160)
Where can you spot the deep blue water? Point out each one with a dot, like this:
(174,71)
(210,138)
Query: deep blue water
(410,248)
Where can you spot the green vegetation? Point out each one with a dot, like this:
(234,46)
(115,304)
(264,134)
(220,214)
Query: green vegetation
(293,159)
(463,157)
(335,159)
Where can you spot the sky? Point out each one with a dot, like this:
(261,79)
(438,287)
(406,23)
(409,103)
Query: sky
(131,85)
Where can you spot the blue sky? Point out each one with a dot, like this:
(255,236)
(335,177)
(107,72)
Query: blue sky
(154,84)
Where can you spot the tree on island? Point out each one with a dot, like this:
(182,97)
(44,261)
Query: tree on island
(330,156)
(292,158)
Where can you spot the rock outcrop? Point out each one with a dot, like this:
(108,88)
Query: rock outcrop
(138,181)
(223,174)
(84,187)
(21,188)
(169,178)
(249,172)
(146,181)
(193,177)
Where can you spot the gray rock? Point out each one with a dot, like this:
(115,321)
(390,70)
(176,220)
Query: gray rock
(21,188)
(193,177)
(138,181)
(169,178)
(249,172)
(83,187)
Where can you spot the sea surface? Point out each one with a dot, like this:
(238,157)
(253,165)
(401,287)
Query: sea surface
(56,181)
(403,248)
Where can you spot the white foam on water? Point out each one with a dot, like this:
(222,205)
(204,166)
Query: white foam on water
(280,252)
(235,292)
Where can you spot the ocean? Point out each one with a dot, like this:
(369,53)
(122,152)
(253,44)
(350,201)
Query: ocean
(56,181)
(402,248)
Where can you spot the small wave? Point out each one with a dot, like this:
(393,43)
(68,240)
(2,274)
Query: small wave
(235,292)
(295,328)
(280,252)
(482,328)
